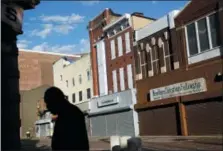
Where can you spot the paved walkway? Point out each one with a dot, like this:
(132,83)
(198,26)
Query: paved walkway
(151,143)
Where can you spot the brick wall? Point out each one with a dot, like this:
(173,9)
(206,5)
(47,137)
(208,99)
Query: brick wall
(36,69)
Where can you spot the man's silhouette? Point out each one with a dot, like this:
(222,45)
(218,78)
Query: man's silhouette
(70,130)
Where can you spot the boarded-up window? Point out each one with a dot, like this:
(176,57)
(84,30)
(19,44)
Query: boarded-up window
(127,42)
(122,81)
(120,51)
(112,43)
(130,78)
(114,77)
(102,71)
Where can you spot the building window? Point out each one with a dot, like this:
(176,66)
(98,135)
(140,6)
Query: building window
(61,77)
(122,81)
(203,35)
(73,81)
(67,83)
(80,79)
(120,51)
(74,97)
(111,33)
(143,63)
(88,75)
(130,76)
(118,29)
(214,30)
(137,61)
(80,95)
(112,43)
(125,25)
(88,93)
(127,42)
(155,60)
(114,78)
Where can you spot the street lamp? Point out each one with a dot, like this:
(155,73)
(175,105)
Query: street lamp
(11,24)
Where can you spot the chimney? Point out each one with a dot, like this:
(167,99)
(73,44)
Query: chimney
(138,14)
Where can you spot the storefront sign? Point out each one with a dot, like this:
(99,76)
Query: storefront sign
(13,16)
(102,103)
(179,89)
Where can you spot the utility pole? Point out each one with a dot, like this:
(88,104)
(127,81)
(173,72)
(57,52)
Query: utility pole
(11,24)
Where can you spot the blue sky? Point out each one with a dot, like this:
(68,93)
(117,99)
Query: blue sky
(60,26)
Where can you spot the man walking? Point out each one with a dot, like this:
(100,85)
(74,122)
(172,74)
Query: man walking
(70,130)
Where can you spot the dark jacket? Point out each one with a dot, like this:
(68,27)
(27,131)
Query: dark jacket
(70,131)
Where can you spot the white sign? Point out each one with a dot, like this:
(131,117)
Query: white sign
(13,16)
(179,89)
(102,103)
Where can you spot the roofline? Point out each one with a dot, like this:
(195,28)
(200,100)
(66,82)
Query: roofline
(109,9)
(116,21)
(185,6)
(50,53)
(144,17)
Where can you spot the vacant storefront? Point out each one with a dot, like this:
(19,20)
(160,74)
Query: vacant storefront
(113,115)
(44,128)
(162,120)
(205,117)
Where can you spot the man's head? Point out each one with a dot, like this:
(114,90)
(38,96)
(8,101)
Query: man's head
(54,99)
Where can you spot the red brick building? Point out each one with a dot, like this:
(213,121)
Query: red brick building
(96,33)
(111,111)
(179,72)
(36,67)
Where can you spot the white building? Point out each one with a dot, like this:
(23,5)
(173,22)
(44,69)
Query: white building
(74,79)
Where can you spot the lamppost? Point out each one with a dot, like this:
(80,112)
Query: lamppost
(11,24)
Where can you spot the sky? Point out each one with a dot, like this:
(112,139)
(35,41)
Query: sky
(61,26)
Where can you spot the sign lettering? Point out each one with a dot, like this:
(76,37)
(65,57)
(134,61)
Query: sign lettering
(102,103)
(179,89)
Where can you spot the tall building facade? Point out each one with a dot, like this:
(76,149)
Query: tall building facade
(111,110)
(74,78)
(179,72)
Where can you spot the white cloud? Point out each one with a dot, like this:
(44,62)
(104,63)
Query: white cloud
(90,2)
(72,19)
(47,29)
(56,48)
(64,29)
(22,44)
(57,23)
(81,47)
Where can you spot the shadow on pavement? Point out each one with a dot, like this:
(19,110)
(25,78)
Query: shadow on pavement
(32,144)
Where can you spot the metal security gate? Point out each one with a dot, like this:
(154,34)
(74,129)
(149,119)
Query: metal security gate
(98,124)
(125,123)
(42,130)
(159,121)
(121,123)
(205,118)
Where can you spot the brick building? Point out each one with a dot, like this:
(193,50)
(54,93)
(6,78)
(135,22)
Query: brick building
(179,72)
(111,110)
(36,67)
(36,72)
